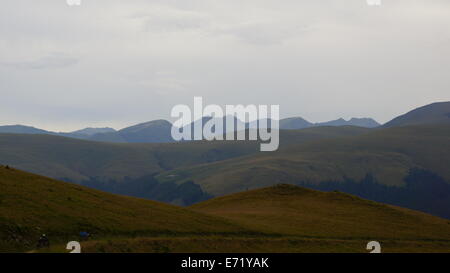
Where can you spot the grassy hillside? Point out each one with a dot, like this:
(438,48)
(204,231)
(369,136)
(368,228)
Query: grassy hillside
(295,219)
(78,160)
(31,205)
(296,211)
(278,219)
(388,154)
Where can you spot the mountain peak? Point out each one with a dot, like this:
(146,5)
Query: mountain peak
(149,124)
(295,123)
(152,131)
(89,131)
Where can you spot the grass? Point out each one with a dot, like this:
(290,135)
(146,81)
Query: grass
(31,205)
(275,219)
(296,211)
(214,244)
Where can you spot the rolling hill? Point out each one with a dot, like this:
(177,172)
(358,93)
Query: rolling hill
(384,158)
(387,153)
(297,211)
(277,219)
(292,219)
(78,160)
(129,169)
(31,205)
(435,113)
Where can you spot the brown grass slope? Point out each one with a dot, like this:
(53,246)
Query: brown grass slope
(287,219)
(296,211)
(31,205)
(277,219)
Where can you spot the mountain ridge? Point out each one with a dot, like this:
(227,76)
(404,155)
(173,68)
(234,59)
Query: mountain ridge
(434,113)
(159,131)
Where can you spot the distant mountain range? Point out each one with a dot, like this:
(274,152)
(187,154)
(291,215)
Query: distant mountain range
(159,131)
(86,133)
(93,131)
(300,123)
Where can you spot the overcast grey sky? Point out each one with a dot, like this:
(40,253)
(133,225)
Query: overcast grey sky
(118,63)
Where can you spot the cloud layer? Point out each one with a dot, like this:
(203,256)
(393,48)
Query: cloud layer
(115,63)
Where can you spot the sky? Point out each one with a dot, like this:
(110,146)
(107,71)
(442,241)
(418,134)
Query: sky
(118,63)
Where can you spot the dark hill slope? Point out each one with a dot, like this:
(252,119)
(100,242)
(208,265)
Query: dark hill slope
(31,205)
(292,210)
(21,129)
(79,160)
(388,154)
(436,113)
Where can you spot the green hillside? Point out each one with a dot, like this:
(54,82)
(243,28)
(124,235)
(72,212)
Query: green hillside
(31,205)
(79,160)
(388,154)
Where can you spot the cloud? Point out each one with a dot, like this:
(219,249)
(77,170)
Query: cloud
(52,61)
(318,59)
(167,19)
(261,33)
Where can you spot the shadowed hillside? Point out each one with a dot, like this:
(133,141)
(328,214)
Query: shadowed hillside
(31,205)
(79,160)
(388,154)
(435,113)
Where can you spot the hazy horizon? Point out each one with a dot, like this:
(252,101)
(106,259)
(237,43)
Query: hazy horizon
(116,64)
(168,119)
